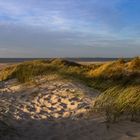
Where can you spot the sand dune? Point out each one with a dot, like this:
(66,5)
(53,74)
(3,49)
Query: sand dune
(51,108)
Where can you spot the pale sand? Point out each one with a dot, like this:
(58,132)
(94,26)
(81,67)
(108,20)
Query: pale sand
(57,109)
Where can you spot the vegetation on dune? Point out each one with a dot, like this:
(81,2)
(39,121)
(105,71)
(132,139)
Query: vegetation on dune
(62,62)
(117,70)
(120,101)
(121,89)
(26,71)
(118,81)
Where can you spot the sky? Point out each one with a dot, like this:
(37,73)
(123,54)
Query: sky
(69,28)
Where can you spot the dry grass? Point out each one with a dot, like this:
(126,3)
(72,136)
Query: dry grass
(121,93)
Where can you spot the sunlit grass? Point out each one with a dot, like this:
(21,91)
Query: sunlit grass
(118,101)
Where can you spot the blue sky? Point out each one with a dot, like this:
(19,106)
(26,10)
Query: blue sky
(69,28)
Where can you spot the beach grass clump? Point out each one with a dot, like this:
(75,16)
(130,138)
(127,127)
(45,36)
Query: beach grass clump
(134,64)
(120,101)
(7,72)
(28,70)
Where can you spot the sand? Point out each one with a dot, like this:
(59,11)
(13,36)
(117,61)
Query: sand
(51,108)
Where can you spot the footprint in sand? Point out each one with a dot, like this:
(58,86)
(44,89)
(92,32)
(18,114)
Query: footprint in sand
(63,105)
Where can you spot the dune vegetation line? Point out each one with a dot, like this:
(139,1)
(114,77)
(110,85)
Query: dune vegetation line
(117,81)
